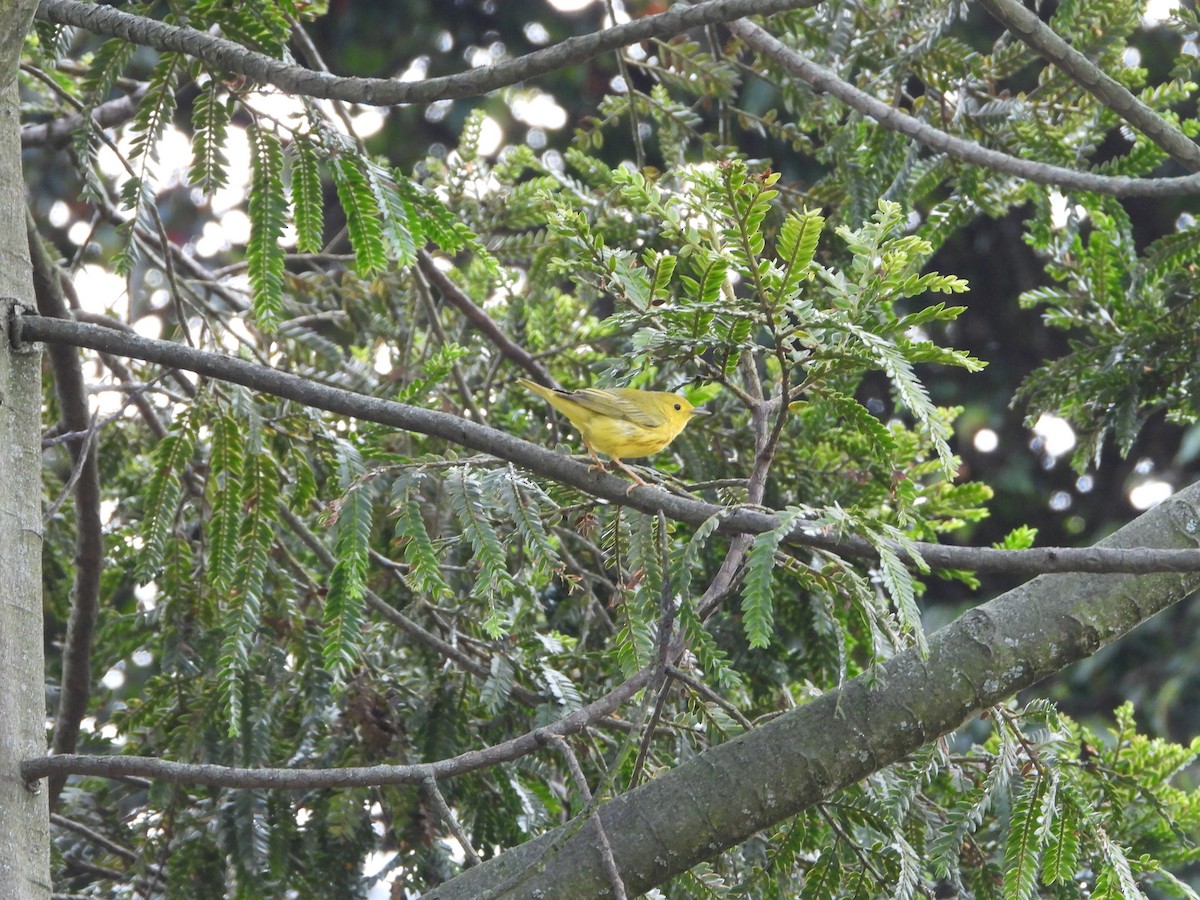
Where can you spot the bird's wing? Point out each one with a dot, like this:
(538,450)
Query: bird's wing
(616,404)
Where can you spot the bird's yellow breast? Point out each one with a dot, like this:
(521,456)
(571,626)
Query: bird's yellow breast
(625,440)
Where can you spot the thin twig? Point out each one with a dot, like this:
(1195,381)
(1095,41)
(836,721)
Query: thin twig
(480,319)
(711,696)
(227,56)
(434,794)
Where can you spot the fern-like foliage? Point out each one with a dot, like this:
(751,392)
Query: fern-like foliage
(769,255)
(363,216)
(165,490)
(424,574)
(348,580)
(268,207)
(226,497)
(492,583)
(210,118)
(244,610)
(758,596)
(308,208)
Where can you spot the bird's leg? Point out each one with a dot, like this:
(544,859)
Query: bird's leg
(599,463)
(616,462)
(632,474)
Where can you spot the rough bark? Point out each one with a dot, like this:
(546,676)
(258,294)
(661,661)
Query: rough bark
(24,817)
(771,773)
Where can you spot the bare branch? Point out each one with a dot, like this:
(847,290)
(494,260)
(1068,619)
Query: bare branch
(356,776)
(89,544)
(481,320)
(61,131)
(606,854)
(1041,37)
(473,435)
(94,836)
(822,79)
(434,793)
(227,56)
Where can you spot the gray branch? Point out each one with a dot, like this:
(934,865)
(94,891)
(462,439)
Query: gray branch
(475,436)
(226,56)
(1041,37)
(780,769)
(821,79)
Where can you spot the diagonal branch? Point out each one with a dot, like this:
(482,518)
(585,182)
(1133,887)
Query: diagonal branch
(475,436)
(480,319)
(801,758)
(1041,37)
(791,763)
(59,132)
(821,79)
(353,776)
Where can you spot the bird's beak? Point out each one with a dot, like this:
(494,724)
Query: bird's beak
(699,412)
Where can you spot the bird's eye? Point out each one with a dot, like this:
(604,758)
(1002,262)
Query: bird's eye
(677,406)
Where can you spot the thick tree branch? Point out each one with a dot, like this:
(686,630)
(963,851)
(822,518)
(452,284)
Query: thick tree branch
(226,56)
(821,79)
(89,544)
(465,433)
(1041,37)
(778,770)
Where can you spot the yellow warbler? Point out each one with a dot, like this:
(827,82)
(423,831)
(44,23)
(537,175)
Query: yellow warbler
(623,422)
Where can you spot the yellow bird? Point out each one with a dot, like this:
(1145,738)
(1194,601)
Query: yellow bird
(625,423)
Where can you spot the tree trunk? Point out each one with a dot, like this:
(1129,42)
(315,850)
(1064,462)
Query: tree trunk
(24,817)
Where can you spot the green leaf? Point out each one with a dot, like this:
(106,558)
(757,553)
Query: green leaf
(561,688)
(823,879)
(1020,538)
(267,207)
(1117,868)
(424,573)
(493,581)
(496,689)
(910,868)
(364,219)
(1060,859)
(225,496)
(524,501)
(758,590)
(346,599)
(1022,852)
(401,224)
(244,610)
(967,815)
(170,459)
(210,120)
(796,245)
(899,584)
(308,206)
(155,111)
